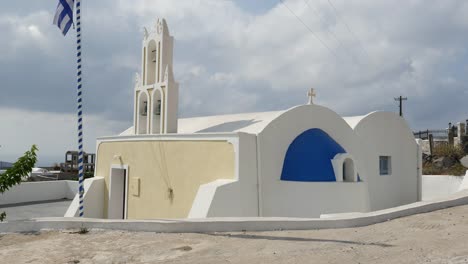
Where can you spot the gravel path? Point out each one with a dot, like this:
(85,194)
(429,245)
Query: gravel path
(437,237)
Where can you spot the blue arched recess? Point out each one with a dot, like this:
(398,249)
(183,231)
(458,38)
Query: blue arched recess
(309,157)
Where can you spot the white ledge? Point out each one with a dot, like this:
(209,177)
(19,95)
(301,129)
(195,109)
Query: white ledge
(231,224)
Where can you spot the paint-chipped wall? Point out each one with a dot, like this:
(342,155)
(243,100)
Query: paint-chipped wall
(163,165)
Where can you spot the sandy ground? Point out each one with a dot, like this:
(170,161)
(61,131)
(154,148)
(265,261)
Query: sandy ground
(437,237)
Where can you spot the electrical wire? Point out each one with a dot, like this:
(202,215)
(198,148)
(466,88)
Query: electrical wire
(340,18)
(340,43)
(311,31)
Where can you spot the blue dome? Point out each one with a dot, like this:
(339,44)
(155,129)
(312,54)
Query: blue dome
(309,157)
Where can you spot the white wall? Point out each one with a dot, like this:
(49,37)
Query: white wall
(387,134)
(311,199)
(39,191)
(205,198)
(464,184)
(439,186)
(237,197)
(72,189)
(307,199)
(93,199)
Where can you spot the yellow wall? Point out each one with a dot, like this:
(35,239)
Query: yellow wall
(162,165)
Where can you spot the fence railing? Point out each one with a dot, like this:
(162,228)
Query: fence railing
(436,134)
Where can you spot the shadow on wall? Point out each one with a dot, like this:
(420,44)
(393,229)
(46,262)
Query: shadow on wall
(229,126)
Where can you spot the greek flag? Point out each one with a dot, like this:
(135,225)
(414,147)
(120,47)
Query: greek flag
(64,15)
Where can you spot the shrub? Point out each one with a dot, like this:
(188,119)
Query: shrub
(12,176)
(86,175)
(457,170)
(56,166)
(446,150)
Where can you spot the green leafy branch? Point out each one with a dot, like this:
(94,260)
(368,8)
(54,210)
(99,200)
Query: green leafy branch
(22,167)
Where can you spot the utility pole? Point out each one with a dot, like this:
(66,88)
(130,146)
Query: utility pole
(401,99)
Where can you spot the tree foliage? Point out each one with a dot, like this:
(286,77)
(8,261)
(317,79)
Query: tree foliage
(22,167)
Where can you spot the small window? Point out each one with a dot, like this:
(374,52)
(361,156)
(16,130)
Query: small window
(385,165)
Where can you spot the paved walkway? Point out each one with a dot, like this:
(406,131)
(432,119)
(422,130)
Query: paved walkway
(35,209)
(435,237)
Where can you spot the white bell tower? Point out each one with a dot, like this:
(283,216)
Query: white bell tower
(156,91)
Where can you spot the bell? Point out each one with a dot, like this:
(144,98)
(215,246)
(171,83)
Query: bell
(145,110)
(158,108)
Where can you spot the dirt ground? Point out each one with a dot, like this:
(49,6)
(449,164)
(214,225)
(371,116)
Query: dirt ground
(437,237)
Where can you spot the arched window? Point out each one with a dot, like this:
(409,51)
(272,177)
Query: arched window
(151,60)
(157,112)
(348,170)
(142,121)
(344,168)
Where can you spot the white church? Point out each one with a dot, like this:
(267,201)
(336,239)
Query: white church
(300,162)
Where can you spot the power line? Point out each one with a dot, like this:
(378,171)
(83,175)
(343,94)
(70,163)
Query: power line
(340,18)
(315,35)
(401,99)
(316,11)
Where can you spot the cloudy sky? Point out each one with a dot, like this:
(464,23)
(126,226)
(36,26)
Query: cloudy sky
(230,56)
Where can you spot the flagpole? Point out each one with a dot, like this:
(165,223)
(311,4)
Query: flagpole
(79,107)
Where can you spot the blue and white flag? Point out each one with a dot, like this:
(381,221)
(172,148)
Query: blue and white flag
(64,15)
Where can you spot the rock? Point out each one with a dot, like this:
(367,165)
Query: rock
(426,157)
(444,162)
(464,161)
(438,163)
(449,162)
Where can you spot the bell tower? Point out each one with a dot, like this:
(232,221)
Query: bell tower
(156,91)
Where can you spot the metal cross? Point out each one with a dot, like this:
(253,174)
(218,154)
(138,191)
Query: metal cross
(311,95)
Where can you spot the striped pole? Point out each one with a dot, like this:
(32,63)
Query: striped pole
(79,106)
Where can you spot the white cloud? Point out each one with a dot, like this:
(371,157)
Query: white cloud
(406,48)
(229,60)
(53,133)
(32,32)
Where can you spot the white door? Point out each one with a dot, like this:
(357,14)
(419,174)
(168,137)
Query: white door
(117,194)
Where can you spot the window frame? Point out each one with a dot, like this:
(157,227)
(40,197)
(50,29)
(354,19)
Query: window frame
(388,161)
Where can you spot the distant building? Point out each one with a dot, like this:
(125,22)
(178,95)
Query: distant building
(5,165)
(71,162)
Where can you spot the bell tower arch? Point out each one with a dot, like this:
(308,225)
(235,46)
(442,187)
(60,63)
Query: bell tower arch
(157,82)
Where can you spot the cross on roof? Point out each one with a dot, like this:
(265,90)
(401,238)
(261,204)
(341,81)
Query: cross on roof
(311,95)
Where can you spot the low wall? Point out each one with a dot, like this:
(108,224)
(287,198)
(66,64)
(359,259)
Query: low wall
(93,199)
(39,191)
(439,186)
(233,224)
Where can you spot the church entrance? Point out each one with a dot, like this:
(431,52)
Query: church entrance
(118,182)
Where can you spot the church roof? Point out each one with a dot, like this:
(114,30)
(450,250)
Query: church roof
(247,122)
(353,121)
(252,123)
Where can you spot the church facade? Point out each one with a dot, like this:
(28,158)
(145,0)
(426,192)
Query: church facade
(301,162)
